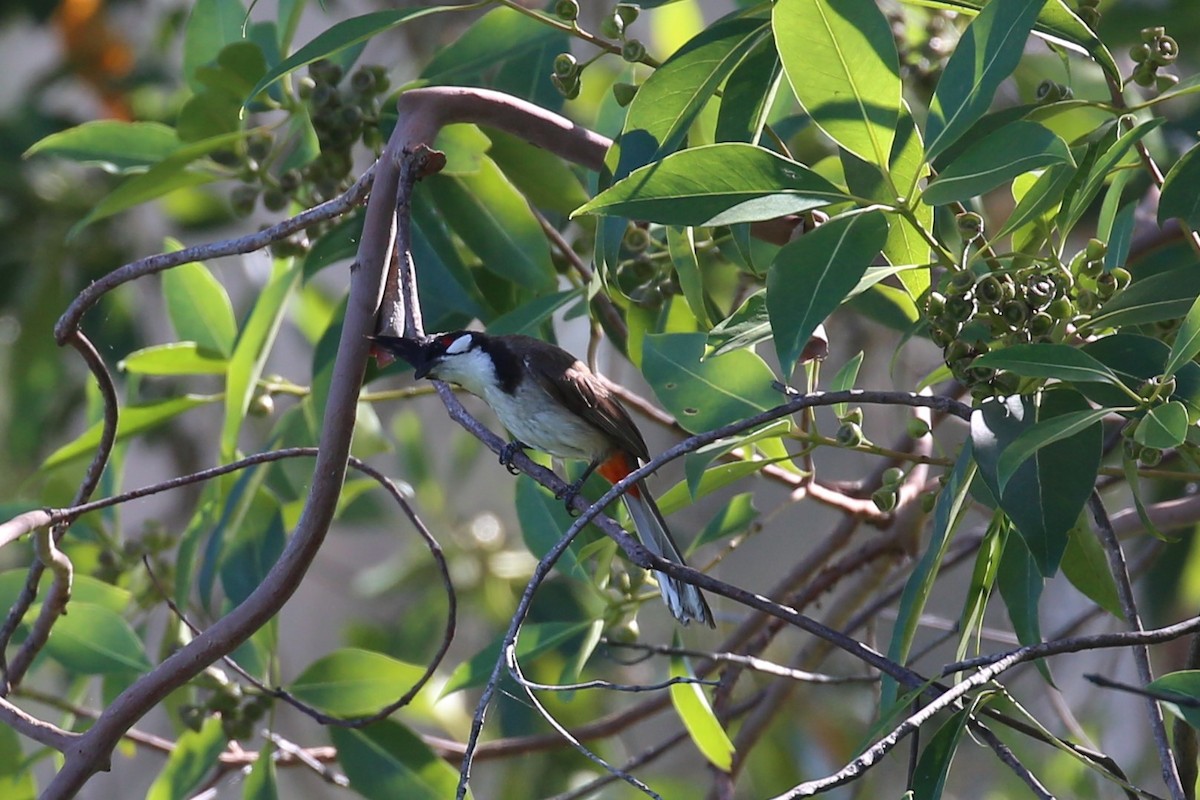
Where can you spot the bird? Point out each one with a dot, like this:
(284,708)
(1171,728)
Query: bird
(550,401)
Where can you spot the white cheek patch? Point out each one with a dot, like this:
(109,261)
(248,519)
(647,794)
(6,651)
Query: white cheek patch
(460,345)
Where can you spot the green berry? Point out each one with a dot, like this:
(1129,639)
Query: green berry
(884,499)
(290,181)
(242,199)
(363,81)
(633,51)
(1144,74)
(970,224)
(1139,52)
(628,14)
(849,435)
(567,10)
(325,71)
(1096,249)
(274,200)
(566,66)
(1150,457)
(1122,277)
(1041,324)
(916,428)
(624,93)
(960,308)
(853,416)
(989,291)
(928,502)
(1164,51)
(612,26)
(1150,35)
(892,476)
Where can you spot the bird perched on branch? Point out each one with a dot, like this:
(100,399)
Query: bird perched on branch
(549,400)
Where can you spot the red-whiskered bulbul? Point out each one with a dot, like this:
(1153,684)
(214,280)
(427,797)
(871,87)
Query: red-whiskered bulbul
(549,400)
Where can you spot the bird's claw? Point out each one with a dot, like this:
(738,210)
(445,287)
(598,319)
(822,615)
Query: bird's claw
(568,496)
(508,452)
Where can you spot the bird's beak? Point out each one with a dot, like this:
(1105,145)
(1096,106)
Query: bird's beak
(413,351)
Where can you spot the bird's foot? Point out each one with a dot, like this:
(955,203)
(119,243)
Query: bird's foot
(569,494)
(508,452)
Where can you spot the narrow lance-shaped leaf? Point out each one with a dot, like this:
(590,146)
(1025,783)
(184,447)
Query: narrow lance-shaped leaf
(1187,340)
(840,58)
(115,146)
(1049,360)
(1179,196)
(693,708)
(720,184)
(986,54)
(811,276)
(999,157)
(1045,433)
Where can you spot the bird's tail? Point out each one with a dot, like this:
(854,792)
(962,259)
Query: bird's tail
(684,600)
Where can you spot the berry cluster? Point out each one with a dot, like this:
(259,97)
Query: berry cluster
(1155,51)
(567,74)
(1036,302)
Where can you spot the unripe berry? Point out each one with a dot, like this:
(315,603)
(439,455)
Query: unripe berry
(567,10)
(566,66)
(916,428)
(633,50)
(892,476)
(242,199)
(624,93)
(849,435)
(274,200)
(884,500)
(628,14)
(612,26)
(970,224)
(1150,457)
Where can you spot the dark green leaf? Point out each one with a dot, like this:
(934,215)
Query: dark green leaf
(1179,199)
(986,54)
(1086,567)
(1016,148)
(352,682)
(1041,434)
(1021,583)
(1187,339)
(1167,295)
(1101,171)
(844,380)
(748,96)
(855,95)
(1135,359)
(199,308)
(706,394)
(1044,496)
(195,753)
(812,275)
(983,580)
(933,767)
(530,316)
(718,184)
(544,519)
(1186,684)
(95,640)
(115,146)
(1049,360)
(250,552)
(133,420)
(386,761)
(498,35)
(697,715)
(745,327)
(534,640)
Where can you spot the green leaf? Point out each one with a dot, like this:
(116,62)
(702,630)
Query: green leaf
(95,640)
(1185,683)
(251,351)
(1021,582)
(811,276)
(697,715)
(844,380)
(1049,360)
(199,308)
(535,639)
(681,244)
(1135,359)
(250,552)
(17,780)
(718,184)
(494,220)
(540,175)
(1016,148)
(1041,434)
(745,327)
(1086,566)
(1045,495)
(133,420)
(261,783)
(986,54)
(1187,341)
(749,94)
(933,767)
(194,754)
(1043,196)
(176,358)
(1163,427)
(342,35)
(529,317)
(497,36)
(112,145)
(669,101)
(352,682)
(1101,171)
(212,25)
(544,519)
(854,97)
(706,394)
(1056,22)
(464,146)
(710,480)
(1167,295)
(983,580)
(1179,198)
(733,518)
(946,512)
(696,463)
(386,761)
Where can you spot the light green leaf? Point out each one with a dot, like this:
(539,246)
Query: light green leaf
(840,58)
(1101,171)
(387,761)
(199,307)
(212,25)
(17,780)
(697,715)
(352,682)
(986,54)
(176,358)
(844,380)
(341,35)
(1041,198)
(811,276)
(195,753)
(492,39)
(95,640)
(1186,684)
(1163,427)
(733,518)
(1086,566)
(745,327)
(1187,340)
(718,184)
(681,244)
(997,158)
(250,353)
(133,420)
(115,146)
(711,480)
(705,394)
(749,94)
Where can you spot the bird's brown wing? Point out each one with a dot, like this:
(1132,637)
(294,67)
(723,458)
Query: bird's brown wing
(582,392)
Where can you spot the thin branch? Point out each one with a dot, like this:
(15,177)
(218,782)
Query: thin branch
(1141,655)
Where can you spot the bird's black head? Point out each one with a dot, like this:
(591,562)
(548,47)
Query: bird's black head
(428,354)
